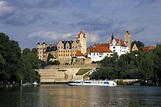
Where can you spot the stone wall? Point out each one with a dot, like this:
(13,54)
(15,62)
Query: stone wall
(62,73)
(73,66)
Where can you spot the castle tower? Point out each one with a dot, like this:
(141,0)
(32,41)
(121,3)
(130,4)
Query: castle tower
(41,48)
(127,38)
(112,37)
(82,39)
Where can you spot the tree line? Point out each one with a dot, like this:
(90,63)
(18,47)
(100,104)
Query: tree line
(17,66)
(133,65)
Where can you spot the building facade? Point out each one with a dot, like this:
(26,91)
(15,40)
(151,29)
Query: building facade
(99,51)
(64,51)
(74,51)
(41,50)
(119,46)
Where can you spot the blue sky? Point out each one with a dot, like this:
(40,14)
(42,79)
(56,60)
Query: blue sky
(32,21)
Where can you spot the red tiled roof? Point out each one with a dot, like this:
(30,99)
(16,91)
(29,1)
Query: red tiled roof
(148,48)
(81,32)
(102,45)
(119,40)
(100,49)
(78,53)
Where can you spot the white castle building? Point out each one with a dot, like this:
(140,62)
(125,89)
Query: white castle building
(99,51)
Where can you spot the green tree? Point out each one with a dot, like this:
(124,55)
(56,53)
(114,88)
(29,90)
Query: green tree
(30,63)
(50,56)
(34,51)
(11,54)
(42,64)
(108,70)
(2,60)
(134,65)
(15,66)
(26,51)
(157,62)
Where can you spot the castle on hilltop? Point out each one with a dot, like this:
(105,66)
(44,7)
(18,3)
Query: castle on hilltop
(67,52)
(76,51)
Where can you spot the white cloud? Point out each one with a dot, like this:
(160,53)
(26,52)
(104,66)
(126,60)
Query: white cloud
(50,35)
(92,38)
(67,35)
(5,9)
(44,35)
(19,18)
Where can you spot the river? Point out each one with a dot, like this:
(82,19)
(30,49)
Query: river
(62,95)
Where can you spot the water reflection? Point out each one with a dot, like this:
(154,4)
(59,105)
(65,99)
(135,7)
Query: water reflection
(80,96)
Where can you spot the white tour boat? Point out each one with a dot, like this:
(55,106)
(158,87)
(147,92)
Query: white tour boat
(92,83)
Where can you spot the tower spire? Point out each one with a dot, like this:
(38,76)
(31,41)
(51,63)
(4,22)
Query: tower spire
(112,37)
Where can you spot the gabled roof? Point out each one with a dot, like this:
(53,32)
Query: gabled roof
(122,43)
(101,45)
(81,32)
(134,48)
(78,53)
(101,48)
(67,42)
(148,48)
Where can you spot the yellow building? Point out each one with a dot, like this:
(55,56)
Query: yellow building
(64,51)
(41,50)
(134,48)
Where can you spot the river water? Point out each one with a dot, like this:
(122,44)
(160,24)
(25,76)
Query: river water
(62,95)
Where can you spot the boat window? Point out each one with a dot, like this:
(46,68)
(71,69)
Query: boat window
(74,82)
(106,82)
(87,82)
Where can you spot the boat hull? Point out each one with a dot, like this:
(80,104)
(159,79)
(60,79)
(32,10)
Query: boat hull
(92,83)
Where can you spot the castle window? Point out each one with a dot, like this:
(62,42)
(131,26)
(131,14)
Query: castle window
(101,54)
